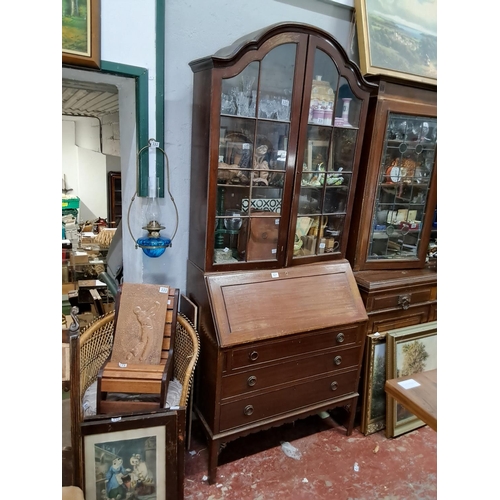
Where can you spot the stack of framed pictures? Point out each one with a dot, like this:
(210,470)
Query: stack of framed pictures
(392,354)
(135,456)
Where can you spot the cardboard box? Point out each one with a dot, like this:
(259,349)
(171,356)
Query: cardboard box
(67,287)
(85,318)
(79,257)
(65,362)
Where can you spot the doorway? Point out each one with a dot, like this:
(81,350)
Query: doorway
(99,131)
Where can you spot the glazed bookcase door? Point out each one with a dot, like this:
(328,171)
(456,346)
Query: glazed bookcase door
(331,134)
(395,211)
(254,138)
(404,179)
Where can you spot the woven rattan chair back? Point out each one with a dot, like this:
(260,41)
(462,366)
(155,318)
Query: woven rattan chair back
(89,349)
(186,352)
(96,343)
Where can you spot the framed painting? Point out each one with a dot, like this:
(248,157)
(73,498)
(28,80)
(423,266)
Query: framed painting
(136,456)
(398,38)
(409,350)
(81,26)
(373,411)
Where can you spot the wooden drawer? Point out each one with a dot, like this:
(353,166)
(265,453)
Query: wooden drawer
(390,320)
(257,354)
(396,290)
(274,403)
(399,299)
(257,379)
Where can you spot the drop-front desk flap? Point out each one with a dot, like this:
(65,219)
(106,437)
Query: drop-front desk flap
(258,305)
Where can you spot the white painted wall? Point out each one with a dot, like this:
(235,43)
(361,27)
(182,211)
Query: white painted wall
(84,166)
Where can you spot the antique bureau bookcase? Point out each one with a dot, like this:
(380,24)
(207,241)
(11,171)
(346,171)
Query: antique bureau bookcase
(278,122)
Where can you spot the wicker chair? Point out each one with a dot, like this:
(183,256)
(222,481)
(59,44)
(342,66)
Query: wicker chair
(89,349)
(92,347)
(186,352)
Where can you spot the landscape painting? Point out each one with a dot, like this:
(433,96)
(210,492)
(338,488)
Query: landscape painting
(409,350)
(398,38)
(80,32)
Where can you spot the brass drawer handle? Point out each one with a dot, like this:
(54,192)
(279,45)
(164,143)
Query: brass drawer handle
(404,301)
(334,386)
(340,338)
(253,356)
(337,360)
(251,381)
(248,410)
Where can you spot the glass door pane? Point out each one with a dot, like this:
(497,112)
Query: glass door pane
(403,186)
(326,178)
(253,149)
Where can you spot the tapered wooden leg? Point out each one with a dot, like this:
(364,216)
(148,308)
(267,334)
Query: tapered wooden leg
(213,456)
(352,414)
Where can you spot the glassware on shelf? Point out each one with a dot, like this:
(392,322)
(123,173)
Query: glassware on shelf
(228,106)
(247,82)
(234,222)
(242,104)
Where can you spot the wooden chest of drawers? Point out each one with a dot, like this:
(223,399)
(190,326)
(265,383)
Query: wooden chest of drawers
(275,346)
(398,298)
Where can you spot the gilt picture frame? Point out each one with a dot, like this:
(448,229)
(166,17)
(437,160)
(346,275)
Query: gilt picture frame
(81,33)
(374,400)
(398,38)
(410,350)
(139,454)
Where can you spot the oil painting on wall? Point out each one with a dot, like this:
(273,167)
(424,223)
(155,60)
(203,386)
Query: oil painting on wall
(398,38)
(80,33)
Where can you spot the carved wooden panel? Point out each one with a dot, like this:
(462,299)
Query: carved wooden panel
(140,324)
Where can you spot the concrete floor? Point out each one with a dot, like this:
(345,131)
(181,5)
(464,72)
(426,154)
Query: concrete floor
(255,467)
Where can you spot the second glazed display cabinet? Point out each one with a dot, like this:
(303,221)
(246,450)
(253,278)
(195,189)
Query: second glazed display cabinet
(395,217)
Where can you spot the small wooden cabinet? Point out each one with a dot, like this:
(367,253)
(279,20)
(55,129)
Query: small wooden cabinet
(114,198)
(275,346)
(394,216)
(278,125)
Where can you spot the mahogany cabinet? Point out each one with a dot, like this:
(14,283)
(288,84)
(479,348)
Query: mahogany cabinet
(114,198)
(278,123)
(276,345)
(394,216)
